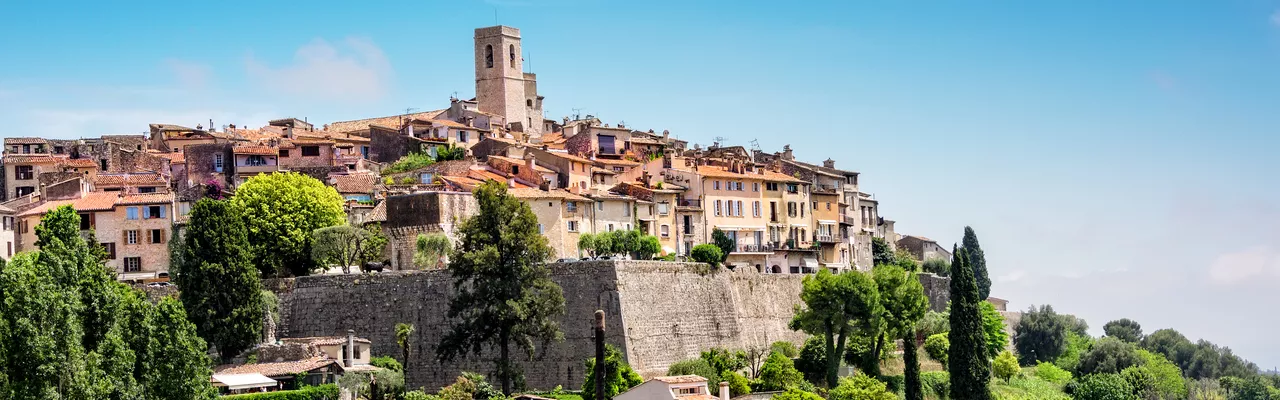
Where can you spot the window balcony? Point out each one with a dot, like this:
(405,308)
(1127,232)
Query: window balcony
(754,248)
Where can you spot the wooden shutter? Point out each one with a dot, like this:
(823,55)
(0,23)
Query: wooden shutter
(162,239)
(124,237)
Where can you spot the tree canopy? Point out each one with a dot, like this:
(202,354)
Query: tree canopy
(618,375)
(977,262)
(1125,329)
(967,359)
(504,294)
(836,307)
(281,210)
(1041,335)
(216,279)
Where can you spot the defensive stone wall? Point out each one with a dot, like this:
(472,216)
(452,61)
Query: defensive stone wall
(657,313)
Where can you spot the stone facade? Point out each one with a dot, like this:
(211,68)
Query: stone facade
(413,214)
(657,313)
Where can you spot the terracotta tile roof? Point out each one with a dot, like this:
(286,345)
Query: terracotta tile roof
(257,150)
(94,201)
(697,397)
(598,170)
(487,174)
(29,158)
(355,183)
(520,162)
(145,198)
(680,379)
(301,140)
(570,157)
(620,163)
(78,163)
(174,158)
(466,183)
(379,213)
(535,193)
(25,140)
(170,127)
(275,369)
(5,210)
(324,340)
(553,137)
(393,121)
(441,122)
(143,179)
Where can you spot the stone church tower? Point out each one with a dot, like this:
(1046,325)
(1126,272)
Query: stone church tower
(502,86)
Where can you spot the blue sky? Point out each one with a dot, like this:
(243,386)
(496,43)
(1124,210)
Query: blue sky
(1117,159)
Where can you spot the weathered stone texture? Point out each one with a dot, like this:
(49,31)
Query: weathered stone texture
(937,289)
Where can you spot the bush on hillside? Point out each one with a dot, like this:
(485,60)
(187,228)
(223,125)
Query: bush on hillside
(1026,388)
(779,373)
(1108,356)
(707,253)
(861,387)
(695,366)
(796,394)
(936,382)
(812,361)
(1005,366)
(321,392)
(1104,387)
(738,385)
(1051,373)
(937,346)
(410,162)
(386,362)
(786,348)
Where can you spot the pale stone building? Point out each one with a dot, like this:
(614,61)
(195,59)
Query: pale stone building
(561,217)
(502,86)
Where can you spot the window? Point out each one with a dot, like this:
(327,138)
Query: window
(57,149)
(802,207)
(255,161)
(716,185)
(131,237)
(771,186)
(488,56)
(86,222)
(617,169)
(610,227)
(8,223)
(147,189)
(217,162)
(791,208)
(755,209)
(600,205)
(828,206)
(102,164)
(284,152)
(26,149)
(356,354)
(132,264)
(153,212)
(717,208)
(511,54)
(626,210)
(528,102)
(515,170)
(24,190)
(683,391)
(666,230)
(131,213)
(688,224)
(310,151)
(462,136)
(755,186)
(10,250)
(663,208)
(540,230)
(815,205)
(111,250)
(741,187)
(739,208)
(573,226)
(572,206)
(793,188)
(155,236)
(24,172)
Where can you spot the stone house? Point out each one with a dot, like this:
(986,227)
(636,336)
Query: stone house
(663,221)
(681,387)
(923,248)
(561,217)
(22,172)
(355,187)
(134,228)
(7,222)
(251,160)
(304,152)
(175,138)
(609,212)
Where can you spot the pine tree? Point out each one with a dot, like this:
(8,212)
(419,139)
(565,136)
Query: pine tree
(504,293)
(217,282)
(977,262)
(967,357)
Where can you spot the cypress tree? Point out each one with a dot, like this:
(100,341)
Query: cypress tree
(977,262)
(914,391)
(967,357)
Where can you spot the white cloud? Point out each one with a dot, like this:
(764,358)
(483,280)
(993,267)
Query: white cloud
(1261,262)
(321,70)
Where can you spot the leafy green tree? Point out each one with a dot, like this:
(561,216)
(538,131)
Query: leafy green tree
(1076,347)
(449,152)
(1075,324)
(934,323)
(1108,356)
(1005,366)
(796,394)
(410,162)
(375,243)
(649,246)
(1104,387)
(1170,344)
(618,375)
(217,283)
(880,252)
(1156,378)
(694,366)
(723,359)
(861,387)
(914,389)
(902,304)
(175,364)
(281,210)
(977,262)
(429,250)
(707,253)
(1125,329)
(504,294)
(812,360)
(993,329)
(835,308)
(341,245)
(787,348)
(967,356)
(724,242)
(586,244)
(403,333)
(779,373)
(937,266)
(937,346)
(1252,388)
(1041,335)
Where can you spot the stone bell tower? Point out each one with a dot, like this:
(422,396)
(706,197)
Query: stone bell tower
(501,84)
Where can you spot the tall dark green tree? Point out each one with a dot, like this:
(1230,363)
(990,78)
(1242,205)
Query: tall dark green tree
(1125,329)
(1041,335)
(504,294)
(967,360)
(217,282)
(724,242)
(902,303)
(977,262)
(914,389)
(880,252)
(835,308)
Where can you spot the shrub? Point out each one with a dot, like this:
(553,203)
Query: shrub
(329,391)
(724,360)
(1104,387)
(1049,372)
(934,323)
(1077,345)
(938,266)
(786,348)
(1108,356)
(707,253)
(861,387)
(619,377)
(695,366)
(410,162)
(418,395)
(813,360)
(893,383)
(796,394)
(778,373)
(738,384)
(993,327)
(386,362)
(1026,388)
(1156,378)
(936,382)
(937,346)
(1005,366)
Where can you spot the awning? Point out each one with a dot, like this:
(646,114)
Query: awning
(136,276)
(740,228)
(826,222)
(809,262)
(242,381)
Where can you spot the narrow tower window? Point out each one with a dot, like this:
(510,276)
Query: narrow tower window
(488,56)
(511,52)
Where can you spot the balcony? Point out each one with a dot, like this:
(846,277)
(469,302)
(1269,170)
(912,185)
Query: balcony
(256,169)
(825,189)
(754,248)
(691,204)
(828,239)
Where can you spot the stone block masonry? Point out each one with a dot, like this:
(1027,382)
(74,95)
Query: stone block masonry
(657,313)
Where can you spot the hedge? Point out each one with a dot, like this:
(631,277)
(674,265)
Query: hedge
(322,392)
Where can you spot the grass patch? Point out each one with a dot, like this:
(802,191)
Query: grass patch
(1027,388)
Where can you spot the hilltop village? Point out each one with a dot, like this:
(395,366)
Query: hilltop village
(786,214)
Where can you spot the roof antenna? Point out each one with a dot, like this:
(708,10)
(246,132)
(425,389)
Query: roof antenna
(495,15)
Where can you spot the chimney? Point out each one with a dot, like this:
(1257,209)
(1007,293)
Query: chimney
(348,359)
(511,182)
(724,390)
(530,163)
(829,163)
(666,134)
(786,153)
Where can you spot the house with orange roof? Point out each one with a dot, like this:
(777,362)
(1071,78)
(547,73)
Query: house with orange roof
(680,387)
(22,171)
(561,217)
(253,159)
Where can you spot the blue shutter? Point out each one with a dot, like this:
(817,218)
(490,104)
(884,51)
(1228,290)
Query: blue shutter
(162,211)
